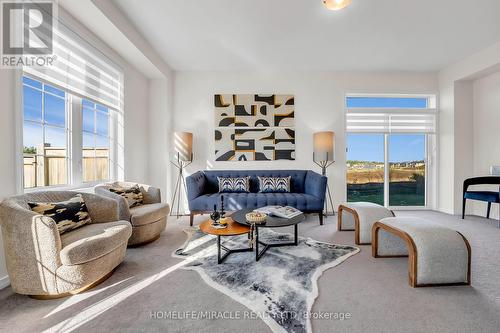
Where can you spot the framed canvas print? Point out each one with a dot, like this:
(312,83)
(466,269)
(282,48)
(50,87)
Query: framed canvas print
(254,127)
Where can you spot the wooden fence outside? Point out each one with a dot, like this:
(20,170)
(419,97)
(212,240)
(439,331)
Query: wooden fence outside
(51,168)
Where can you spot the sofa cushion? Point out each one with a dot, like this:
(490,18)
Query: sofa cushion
(146,214)
(133,194)
(236,201)
(68,215)
(297,185)
(234,185)
(93,241)
(274,184)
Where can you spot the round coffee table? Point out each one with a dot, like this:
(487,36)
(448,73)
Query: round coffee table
(233,229)
(271,222)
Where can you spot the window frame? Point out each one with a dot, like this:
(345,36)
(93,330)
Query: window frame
(44,124)
(384,153)
(95,134)
(74,132)
(387,163)
(431,146)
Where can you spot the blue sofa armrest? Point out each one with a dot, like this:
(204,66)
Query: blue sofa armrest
(315,185)
(195,185)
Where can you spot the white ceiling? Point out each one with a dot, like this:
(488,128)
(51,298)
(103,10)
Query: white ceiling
(303,35)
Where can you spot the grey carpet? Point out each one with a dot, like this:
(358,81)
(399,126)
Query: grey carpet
(374,291)
(280,288)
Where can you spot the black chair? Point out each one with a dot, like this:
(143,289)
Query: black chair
(486,196)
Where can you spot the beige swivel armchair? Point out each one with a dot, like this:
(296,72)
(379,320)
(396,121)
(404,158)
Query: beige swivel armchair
(44,264)
(148,220)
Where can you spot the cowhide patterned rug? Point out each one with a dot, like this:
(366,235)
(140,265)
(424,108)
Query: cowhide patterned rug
(280,288)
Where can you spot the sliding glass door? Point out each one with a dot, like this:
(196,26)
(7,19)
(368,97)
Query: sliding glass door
(407,169)
(368,157)
(365,168)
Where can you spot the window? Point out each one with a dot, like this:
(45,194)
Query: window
(96,142)
(45,148)
(387,140)
(407,156)
(387,102)
(50,119)
(72,115)
(365,168)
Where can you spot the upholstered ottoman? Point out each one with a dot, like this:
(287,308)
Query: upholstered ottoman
(360,217)
(436,255)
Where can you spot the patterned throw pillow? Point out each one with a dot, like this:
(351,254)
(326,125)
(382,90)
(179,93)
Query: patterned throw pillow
(68,215)
(234,185)
(133,194)
(274,184)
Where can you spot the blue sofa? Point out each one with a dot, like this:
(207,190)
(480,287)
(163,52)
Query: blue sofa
(307,191)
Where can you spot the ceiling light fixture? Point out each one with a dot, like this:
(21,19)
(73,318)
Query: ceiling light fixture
(336,4)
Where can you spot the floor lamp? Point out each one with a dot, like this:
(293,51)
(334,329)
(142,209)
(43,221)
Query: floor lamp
(183,156)
(324,157)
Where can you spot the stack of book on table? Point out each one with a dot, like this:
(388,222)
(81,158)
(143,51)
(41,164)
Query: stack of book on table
(286,212)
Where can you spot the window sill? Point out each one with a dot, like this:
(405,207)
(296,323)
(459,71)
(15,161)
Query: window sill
(85,187)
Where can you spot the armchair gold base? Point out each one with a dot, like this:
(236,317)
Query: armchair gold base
(73,292)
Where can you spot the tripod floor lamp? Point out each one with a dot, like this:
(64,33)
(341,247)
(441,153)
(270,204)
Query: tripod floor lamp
(182,157)
(324,157)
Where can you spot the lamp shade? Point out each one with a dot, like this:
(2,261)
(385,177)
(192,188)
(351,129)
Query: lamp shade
(324,143)
(183,146)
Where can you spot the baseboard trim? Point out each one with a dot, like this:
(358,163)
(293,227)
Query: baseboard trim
(446,211)
(4,282)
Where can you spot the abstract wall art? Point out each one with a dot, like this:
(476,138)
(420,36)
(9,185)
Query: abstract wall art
(254,127)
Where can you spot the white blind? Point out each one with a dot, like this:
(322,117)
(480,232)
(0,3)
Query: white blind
(82,69)
(391,120)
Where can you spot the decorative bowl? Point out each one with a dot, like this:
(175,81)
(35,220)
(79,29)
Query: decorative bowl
(254,217)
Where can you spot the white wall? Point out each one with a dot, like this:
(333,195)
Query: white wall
(486,129)
(7,143)
(463,143)
(456,144)
(136,126)
(446,156)
(160,127)
(319,105)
